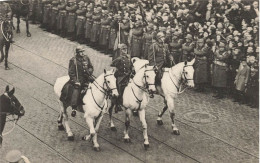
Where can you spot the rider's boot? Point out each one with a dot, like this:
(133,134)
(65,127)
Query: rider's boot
(74,111)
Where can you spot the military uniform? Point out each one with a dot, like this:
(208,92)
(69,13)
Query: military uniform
(148,37)
(201,66)
(5,14)
(124,31)
(122,74)
(95,32)
(105,29)
(89,23)
(85,70)
(112,34)
(71,19)
(220,72)
(54,15)
(136,41)
(39,11)
(158,54)
(80,23)
(62,13)
(175,46)
(187,51)
(46,12)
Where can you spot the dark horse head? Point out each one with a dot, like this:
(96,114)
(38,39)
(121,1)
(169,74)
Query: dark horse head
(9,105)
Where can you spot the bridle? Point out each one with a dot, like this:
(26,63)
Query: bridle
(146,85)
(185,72)
(107,91)
(145,88)
(181,81)
(15,120)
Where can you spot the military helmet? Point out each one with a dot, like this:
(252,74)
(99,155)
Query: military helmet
(80,49)
(160,35)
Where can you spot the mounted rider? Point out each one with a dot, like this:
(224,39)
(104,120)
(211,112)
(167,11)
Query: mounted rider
(123,72)
(80,73)
(158,55)
(6,15)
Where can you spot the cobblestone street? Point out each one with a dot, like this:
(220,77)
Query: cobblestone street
(211,130)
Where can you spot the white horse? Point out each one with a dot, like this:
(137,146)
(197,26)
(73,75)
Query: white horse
(95,102)
(136,96)
(171,82)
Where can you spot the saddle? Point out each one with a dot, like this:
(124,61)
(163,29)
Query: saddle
(66,95)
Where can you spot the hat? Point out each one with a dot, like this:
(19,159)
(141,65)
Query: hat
(150,26)
(80,49)
(71,1)
(13,156)
(162,29)
(189,36)
(160,35)
(81,3)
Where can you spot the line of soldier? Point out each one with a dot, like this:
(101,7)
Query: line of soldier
(99,26)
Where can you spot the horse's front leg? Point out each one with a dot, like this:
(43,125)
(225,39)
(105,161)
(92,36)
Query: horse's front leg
(2,53)
(60,118)
(128,114)
(170,103)
(144,124)
(160,114)
(7,46)
(96,145)
(18,24)
(27,26)
(111,123)
(66,123)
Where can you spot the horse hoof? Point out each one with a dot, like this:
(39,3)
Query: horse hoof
(160,122)
(29,34)
(61,128)
(127,140)
(113,128)
(71,138)
(97,149)
(146,146)
(176,132)
(135,113)
(73,113)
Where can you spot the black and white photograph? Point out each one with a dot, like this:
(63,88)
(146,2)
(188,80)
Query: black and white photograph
(129,81)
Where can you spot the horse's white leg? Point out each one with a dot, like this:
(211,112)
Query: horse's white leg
(90,123)
(160,114)
(170,104)
(111,123)
(144,124)
(96,145)
(66,123)
(60,118)
(128,114)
